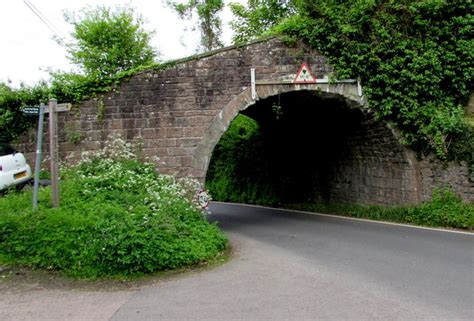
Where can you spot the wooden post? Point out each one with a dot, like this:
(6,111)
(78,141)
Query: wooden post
(53,151)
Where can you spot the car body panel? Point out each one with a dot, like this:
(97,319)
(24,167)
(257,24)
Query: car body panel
(14,169)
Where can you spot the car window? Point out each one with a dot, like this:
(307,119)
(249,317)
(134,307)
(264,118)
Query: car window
(6,149)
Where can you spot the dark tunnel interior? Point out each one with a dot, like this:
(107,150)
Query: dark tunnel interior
(306,146)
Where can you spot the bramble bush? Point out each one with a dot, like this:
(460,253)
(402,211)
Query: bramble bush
(118,216)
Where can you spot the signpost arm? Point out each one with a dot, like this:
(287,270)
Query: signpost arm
(39,143)
(53,151)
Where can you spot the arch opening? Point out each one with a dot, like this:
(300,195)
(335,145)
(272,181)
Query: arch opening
(310,146)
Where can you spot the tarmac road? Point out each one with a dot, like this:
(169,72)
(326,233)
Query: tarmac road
(290,266)
(293,266)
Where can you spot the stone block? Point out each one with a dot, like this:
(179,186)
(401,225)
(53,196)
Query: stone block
(141,123)
(128,123)
(161,133)
(154,122)
(131,134)
(189,142)
(194,132)
(176,151)
(186,161)
(175,132)
(148,133)
(113,124)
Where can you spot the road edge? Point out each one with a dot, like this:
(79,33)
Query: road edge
(436,229)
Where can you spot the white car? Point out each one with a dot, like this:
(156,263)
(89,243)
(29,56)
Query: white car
(14,171)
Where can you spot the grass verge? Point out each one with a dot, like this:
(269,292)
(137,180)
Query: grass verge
(445,210)
(15,277)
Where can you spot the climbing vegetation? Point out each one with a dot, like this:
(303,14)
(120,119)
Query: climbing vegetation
(414,58)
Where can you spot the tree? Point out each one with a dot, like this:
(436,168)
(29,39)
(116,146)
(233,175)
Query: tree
(13,122)
(210,23)
(108,41)
(257,17)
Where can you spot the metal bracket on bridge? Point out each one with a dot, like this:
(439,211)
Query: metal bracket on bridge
(252,83)
(317,81)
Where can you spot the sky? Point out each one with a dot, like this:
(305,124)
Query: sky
(27,48)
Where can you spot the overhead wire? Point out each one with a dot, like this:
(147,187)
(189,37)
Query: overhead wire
(45,20)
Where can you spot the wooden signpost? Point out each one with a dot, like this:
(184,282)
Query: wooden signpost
(53,151)
(53,109)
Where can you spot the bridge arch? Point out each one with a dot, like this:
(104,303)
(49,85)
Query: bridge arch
(242,101)
(376,176)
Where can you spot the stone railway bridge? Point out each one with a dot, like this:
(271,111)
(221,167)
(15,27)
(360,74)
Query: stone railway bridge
(179,115)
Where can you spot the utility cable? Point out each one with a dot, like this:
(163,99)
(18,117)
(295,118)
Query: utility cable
(44,19)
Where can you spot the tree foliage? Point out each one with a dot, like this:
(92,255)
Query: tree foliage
(12,121)
(108,41)
(258,16)
(210,24)
(109,45)
(238,171)
(414,58)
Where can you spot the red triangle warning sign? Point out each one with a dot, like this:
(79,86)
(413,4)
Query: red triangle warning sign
(304,76)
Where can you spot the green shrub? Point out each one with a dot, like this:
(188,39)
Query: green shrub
(238,171)
(117,217)
(444,210)
(12,121)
